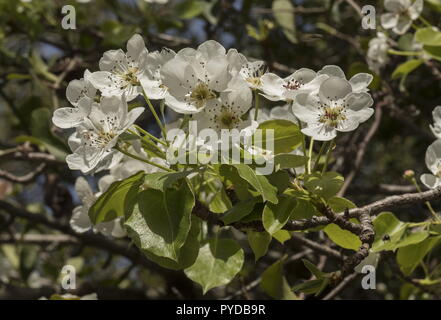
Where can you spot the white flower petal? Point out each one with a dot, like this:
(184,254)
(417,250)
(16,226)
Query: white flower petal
(430,181)
(80,221)
(332,71)
(360,82)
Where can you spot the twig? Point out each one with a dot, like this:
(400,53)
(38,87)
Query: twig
(340,286)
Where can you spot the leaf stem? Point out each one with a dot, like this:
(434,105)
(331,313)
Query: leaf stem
(256,104)
(328,156)
(148,134)
(303,143)
(404,53)
(152,109)
(311,144)
(322,149)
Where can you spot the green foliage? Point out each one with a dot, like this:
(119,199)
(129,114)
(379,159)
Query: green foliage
(406,67)
(275,216)
(284,14)
(259,242)
(287,135)
(218,262)
(162,220)
(326,185)
(274,283)
(118,200)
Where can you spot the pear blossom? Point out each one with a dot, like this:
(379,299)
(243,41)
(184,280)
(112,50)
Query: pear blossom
(151,81)
(436,127)
(359,82)
(99,133)
(286,89)
(250,71)
(226,111)
(80,88)
(336,107)
(377,55)
(196,77)
(122,73)
(433,163)
(401,14)
(71,117)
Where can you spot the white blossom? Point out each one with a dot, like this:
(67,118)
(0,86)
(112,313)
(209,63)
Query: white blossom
(377,55)
(250,71)
(433,163)
(99,133)
(122,73)
(359,82)
(71,117)
(286,89)
(436,127)
(226,112)
(336,107)
(151,81)
(401,14)
(195,77)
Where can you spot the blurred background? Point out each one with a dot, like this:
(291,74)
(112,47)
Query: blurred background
(38,58)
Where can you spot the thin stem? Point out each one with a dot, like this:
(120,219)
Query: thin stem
(404,53)
(149,143)
(427,203)
(322,149)
(303,144)
(328,156)
(142,159)
(427,23)
(311,144)
(256,104)
(148,134)
(152,109)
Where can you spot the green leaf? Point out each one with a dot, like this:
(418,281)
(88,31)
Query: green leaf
(325,186)
(284,15)
(162,220)
(274,284)
(259,242)
(434,52)
(407,67)
(119,199)
(287,136)
(188,252)
(304,208)
(275,216)
(313,269)
(428,36)
(189,9)
(259,182)
(282,236)
(220,202)
(342,238)
(240,210)
(218,262)
(388,231)
(162,180)
(286,161)
(409,257)
(312,286)
(338,204)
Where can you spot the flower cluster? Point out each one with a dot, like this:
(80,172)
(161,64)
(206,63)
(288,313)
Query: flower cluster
(216,88)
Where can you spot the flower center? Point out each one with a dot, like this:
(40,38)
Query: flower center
(332,116)
(254,81)
(130,77)
(200,94)
(293,85)
(99,139)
